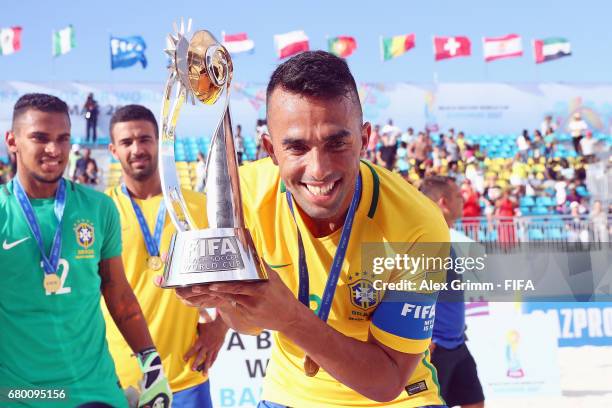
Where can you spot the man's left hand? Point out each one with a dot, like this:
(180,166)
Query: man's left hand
(207,345)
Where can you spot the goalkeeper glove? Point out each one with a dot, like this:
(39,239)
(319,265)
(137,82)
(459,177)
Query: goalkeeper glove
(154,387)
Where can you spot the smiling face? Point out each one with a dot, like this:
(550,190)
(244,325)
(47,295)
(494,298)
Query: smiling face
(317,144)
(41,142)
(135,146)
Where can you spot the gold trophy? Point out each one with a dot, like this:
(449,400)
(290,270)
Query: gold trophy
(201,68)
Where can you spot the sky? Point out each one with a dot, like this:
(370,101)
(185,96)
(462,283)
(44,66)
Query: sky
(586,24)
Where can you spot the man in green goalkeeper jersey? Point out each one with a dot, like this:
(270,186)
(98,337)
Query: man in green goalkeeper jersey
(61,250)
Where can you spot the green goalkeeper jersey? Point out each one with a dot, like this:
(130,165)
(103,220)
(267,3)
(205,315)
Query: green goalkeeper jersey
(56,341)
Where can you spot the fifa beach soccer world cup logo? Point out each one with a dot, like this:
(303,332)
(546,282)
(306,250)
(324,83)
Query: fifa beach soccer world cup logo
(512,355)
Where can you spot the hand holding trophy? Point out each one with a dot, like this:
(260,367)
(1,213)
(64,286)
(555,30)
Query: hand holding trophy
(202,68)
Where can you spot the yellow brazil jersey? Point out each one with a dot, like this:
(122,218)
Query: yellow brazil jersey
(173,325)
(390,210)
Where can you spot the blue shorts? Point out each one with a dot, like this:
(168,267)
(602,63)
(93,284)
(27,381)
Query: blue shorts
(268,404)
(194,397)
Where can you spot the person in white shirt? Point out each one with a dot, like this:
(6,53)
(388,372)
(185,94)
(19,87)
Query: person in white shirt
(577,127)
(548,125)
(587,144)
(523,144)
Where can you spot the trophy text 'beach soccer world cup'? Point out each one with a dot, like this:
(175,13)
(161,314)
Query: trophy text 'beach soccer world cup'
(201,68)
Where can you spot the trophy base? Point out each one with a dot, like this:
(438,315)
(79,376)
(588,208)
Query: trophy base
(212,255)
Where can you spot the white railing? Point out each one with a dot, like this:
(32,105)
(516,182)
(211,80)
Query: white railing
(537,229)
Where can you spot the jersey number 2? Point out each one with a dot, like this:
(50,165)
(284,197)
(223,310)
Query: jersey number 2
(62,289)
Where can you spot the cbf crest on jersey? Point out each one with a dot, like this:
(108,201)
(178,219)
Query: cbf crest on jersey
(363,294)
(85,236)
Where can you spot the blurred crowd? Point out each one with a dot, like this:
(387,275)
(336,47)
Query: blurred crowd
(536,181)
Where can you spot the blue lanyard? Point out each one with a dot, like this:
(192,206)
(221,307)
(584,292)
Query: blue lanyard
(152,242)
(336,268)
(51,262)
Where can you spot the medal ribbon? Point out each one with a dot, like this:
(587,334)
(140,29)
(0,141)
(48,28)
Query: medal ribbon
(152,242)
(50,262)
(336,268)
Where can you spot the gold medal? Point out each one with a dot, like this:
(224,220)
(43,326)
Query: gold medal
(155,263)
(310,367)
(51,282)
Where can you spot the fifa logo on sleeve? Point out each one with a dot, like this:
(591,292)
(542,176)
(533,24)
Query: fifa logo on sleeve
(419,311)
(423,314)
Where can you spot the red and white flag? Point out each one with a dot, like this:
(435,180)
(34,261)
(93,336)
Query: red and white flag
(291,43)
(502,47)
(10,40)
(451,47)
(237,43)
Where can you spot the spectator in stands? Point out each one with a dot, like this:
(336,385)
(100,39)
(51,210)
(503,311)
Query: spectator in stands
(548,126)
(567,172)
(239,144)
(523,143)
(453,149)
(437,155)
(457,374)
(587,145)
(474,173)
(506,210)
(561,192)
(407,137)
(389,136)
(537,146)
(402,164)
(518,176)
(260,130)
(453,172)
(573,195)
(373,143)
(200,172)
(91,117)
(461,142)
(549,150)
(577,128)
(91,173)
(420,150)
(82,163)
(577,231)
(471,208)
(599,220)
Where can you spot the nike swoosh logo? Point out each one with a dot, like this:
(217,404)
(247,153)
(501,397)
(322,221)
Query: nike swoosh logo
(279,266)
(7,246)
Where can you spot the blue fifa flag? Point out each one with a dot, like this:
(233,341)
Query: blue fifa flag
(127,51)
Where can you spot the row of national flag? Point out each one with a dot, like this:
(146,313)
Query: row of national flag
(128,51)
(62,41)
(494,48)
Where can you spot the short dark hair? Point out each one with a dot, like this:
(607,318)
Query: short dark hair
(129,113)
(317,74)
(40,102)
(436,186)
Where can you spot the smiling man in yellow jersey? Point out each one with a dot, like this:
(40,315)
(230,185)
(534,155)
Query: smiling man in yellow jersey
(146,231)
(310,207)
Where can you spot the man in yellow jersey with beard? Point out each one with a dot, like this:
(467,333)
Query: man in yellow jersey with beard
(146,232)
(310,207)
